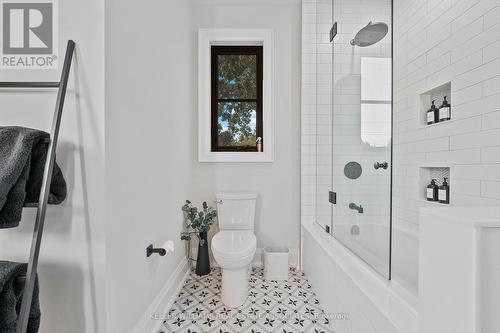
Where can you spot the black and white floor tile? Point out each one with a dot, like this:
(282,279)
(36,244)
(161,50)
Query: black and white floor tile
(272,306)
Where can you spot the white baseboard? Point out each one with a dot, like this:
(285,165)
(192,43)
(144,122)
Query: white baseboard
(153,317)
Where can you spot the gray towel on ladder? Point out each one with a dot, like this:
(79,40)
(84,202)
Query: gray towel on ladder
(23,152)
(11,293)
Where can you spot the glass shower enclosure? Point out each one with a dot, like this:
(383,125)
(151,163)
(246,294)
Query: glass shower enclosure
(354,126)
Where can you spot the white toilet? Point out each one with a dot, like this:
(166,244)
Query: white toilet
(234,245)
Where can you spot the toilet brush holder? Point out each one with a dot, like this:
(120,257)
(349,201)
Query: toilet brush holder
(203,259)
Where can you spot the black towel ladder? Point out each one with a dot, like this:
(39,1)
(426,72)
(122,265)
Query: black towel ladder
(22,323)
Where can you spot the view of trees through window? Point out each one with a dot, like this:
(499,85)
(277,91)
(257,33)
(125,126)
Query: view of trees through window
(237,98)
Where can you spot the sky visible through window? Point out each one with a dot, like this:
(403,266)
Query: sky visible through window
(252,124)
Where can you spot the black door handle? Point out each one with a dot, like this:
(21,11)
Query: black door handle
(383,165)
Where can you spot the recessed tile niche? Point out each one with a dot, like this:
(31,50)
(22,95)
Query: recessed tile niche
(429,173)
(435,94)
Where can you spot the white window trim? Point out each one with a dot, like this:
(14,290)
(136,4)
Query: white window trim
(208,37)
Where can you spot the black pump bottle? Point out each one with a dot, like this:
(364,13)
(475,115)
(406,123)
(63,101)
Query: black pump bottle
(444,192)
(432,191)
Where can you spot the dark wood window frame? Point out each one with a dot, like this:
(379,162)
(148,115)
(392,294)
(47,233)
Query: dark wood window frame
(217,50)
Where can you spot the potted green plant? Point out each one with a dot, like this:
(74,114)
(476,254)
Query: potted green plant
(198,222)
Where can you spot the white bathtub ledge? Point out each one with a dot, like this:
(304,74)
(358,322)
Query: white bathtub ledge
(396,303)
(471,216)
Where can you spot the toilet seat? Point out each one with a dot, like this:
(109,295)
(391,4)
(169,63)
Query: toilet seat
(234,245)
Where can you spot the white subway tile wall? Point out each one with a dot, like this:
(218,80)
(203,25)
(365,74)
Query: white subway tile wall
(435,42)
(309,111)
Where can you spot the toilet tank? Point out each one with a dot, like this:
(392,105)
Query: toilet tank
(236,210)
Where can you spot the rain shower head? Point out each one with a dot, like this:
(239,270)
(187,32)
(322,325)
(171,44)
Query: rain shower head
(370,34)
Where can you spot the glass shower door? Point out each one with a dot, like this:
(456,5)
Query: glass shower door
(361,131)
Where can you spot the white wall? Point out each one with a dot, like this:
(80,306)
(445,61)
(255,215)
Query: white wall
(463,295)
(150,142)
(71,269)
(436,42)
(277,183)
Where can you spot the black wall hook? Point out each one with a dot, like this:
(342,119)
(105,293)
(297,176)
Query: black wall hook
(150,250)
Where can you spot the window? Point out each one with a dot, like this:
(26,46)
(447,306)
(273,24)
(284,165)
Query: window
(236,86)
(236,95)
(376,101)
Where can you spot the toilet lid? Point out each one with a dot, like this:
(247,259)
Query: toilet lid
(234,242)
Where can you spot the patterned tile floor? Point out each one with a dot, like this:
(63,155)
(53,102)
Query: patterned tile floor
(272,306)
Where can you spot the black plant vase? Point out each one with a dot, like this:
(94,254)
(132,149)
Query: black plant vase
(203,260)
